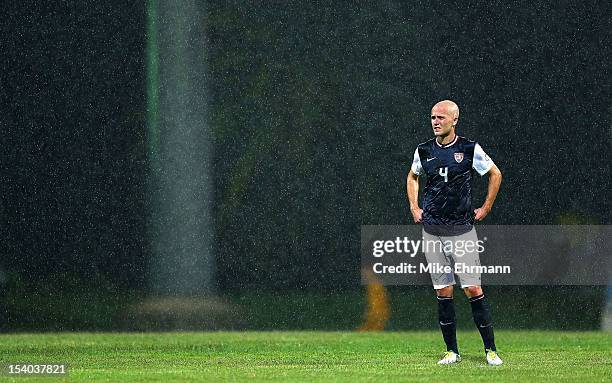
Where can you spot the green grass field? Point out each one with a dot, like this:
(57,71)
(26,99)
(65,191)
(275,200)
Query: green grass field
(529,356)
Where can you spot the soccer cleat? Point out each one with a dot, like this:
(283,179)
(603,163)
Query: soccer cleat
(493,359)
(450,357)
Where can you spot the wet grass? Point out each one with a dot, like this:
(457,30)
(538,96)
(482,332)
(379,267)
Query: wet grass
(529,356)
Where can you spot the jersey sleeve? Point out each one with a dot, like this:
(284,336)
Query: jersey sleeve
(416,163)
(482,162)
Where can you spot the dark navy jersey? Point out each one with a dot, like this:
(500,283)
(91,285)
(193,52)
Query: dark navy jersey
(447,198)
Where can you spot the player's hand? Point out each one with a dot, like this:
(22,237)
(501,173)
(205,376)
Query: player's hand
(481,213)
(417,215)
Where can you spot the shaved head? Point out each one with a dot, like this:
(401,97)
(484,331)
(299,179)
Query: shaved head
(449,107)
(444,117)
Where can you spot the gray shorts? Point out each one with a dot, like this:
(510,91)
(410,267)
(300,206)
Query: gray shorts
(450,256)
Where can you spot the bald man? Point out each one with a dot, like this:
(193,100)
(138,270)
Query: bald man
(449,161)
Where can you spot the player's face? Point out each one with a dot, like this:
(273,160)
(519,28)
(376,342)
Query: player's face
(442,120)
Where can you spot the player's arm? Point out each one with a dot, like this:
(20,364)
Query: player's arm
(412,186)
(495,179)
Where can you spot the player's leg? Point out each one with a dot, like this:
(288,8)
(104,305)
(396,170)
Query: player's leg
(469,257)
(481,312)
(443,284)
(448,324)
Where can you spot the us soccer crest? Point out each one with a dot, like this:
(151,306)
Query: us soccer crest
(458,157)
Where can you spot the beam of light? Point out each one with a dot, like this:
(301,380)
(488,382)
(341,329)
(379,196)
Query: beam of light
(179,148)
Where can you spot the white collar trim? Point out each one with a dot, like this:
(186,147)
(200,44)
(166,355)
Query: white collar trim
(447,145)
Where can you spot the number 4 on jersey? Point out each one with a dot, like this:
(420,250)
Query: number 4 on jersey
(444,173)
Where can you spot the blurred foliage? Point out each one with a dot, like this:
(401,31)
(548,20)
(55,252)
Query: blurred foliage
(83,307)
(316,110)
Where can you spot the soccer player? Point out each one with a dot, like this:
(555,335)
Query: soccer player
(449,161)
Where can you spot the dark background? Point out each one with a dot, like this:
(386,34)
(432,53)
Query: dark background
(315,112)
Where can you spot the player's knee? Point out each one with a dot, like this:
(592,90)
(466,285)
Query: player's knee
(445,291)
(473,291)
